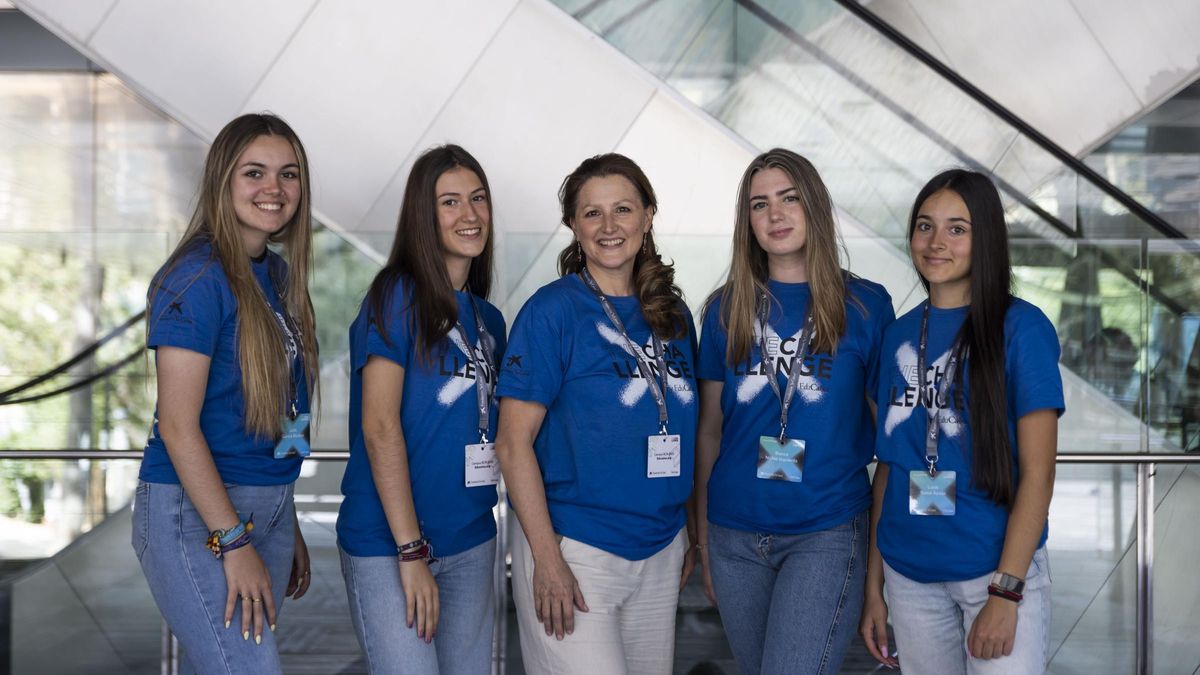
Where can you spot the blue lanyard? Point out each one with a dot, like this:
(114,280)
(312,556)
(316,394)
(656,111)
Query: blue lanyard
(483,391)
(785,397)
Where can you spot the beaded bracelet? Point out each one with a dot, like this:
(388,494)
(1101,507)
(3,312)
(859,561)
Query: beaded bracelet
(221,541)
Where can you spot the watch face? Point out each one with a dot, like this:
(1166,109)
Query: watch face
(1008,582)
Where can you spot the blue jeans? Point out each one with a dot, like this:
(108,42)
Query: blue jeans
(188,583)
(789,602)
(463,642)
(932,622)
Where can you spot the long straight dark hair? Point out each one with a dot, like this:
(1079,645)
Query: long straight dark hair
(417,254)
(982,333)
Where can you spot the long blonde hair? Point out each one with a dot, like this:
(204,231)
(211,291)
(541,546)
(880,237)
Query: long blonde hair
(748,273)
(266,372)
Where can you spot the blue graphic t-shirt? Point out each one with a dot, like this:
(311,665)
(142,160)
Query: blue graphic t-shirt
(193,308)
(967,544)
(829,412)
(439,416)
(566,355)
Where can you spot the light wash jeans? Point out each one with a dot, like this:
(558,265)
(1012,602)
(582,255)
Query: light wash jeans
(188,583)
(630,625)
(932,622)
(789,603)
(462,644)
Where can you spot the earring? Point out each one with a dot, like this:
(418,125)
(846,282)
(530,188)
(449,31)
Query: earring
(645,239)
(579,250)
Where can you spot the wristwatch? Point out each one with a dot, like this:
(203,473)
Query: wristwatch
(1008,583)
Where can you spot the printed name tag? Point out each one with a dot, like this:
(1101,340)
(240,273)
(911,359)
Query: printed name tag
(780,461)
(295,437)
(482,466)
(931,495)
(662,456)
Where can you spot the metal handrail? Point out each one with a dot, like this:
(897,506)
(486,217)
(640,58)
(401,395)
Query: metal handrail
(950,75)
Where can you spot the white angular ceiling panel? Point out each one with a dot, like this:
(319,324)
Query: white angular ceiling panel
(545,95)
(365,79)
(73,20)
(197,60)
(695,172)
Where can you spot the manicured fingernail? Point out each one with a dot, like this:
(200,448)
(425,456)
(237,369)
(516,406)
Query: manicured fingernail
(272,628)
(246,635)
(258,639)
(227,624)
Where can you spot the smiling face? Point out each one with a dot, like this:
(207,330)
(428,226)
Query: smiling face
(610,223)
(941,248)
(265,189)
(464,214)
(777,216)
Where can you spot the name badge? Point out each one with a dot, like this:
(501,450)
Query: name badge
(294,441)
(931,495)
(662,456)
(482,466)
(780,461)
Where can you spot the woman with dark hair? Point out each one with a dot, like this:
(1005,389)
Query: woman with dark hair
(787,359)
(415,530)
(969,398)
(231,324)
(597,429)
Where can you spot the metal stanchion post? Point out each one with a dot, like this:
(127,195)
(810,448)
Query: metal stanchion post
(1145,569)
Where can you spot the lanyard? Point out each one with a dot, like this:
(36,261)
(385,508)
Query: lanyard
(293,334)
(768,364)
(643,363)
(932,428)
(483,390)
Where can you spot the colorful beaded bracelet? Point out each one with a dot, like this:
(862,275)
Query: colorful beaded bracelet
(220,541)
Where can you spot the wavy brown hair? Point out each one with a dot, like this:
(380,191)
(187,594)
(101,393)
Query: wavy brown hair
(266,373)
(748,272)
(653,279)
(417,254)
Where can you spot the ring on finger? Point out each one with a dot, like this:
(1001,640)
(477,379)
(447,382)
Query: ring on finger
(255,599)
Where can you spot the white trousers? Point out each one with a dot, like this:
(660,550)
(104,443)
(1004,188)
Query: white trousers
(630,625)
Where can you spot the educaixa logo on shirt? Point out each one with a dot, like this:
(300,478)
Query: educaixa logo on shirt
(678,369)
(814,371)
(903,395)
(459,369)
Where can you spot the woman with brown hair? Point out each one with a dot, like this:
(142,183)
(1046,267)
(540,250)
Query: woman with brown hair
(597,426)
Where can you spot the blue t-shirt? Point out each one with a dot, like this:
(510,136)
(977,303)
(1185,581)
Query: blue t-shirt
(829,412)
(439,415)
(566,355)
(193,308)
(967,544)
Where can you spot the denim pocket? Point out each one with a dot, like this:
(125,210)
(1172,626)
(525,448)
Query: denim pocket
(141,518)
(1039,569)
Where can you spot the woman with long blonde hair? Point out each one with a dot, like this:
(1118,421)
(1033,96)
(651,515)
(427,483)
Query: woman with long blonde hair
(231,323)
(787,357)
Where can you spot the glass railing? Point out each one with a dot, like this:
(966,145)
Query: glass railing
(875,120)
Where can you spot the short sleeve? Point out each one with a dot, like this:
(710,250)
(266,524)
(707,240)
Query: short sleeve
(535,359)
(1035,382)
(187,307)
(710,365)
(498,330)
(882,314)
(397,345)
